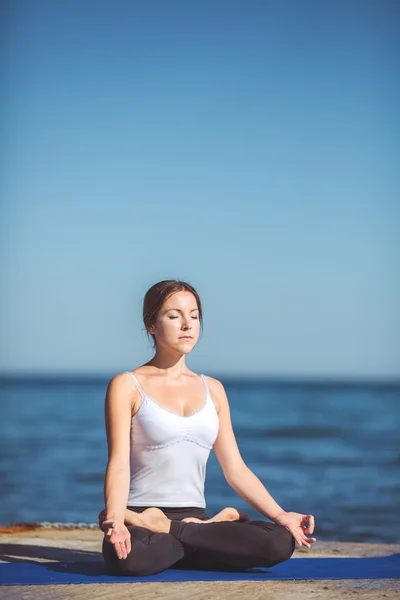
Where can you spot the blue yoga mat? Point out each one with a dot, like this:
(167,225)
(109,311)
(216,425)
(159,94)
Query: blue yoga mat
(25,573)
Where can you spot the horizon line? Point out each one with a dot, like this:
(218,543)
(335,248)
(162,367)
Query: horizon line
(240,376)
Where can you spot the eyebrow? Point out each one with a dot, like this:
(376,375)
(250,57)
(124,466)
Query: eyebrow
(179,310)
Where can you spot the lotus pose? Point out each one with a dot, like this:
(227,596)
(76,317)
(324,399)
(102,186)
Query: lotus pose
(162,420)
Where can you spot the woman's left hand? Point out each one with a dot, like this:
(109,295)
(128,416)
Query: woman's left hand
(298,525)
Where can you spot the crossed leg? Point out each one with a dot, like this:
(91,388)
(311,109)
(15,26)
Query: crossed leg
(150,553)
(214,545)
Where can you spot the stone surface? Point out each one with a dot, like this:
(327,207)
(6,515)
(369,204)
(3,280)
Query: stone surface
(44,544)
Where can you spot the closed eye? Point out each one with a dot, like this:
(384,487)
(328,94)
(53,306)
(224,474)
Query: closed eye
(176,317)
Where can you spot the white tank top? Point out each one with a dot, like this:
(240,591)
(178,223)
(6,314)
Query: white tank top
(169,453)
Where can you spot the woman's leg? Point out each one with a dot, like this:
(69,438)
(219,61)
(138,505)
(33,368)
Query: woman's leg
(150,553)
(226,514)
(161,543)
(233,545)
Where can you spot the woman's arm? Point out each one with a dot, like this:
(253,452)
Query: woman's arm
(118,411)
(236,472)
(244,481)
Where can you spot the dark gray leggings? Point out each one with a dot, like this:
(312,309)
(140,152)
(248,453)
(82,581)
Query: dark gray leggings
(223,546)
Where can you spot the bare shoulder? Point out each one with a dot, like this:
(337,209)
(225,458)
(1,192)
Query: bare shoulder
(217,391)
(121,390)
(215,385)
(120,382)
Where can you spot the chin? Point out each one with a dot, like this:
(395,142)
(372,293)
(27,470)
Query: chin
(186,347)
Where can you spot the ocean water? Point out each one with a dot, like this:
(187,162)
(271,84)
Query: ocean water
(330,449)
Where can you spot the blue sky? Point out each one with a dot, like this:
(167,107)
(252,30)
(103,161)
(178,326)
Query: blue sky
(247,147)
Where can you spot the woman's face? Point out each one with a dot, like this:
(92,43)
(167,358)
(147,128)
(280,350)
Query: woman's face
(177,324)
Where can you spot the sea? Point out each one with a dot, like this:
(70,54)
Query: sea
(331,449)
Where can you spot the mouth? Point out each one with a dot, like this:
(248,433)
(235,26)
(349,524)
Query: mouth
(186,337)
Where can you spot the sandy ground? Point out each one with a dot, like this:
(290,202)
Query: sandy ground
(85,544)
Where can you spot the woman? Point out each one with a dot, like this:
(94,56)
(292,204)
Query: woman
(162,421)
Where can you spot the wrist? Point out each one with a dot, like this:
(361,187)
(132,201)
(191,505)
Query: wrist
(278,515)
(112,525)
(113,517)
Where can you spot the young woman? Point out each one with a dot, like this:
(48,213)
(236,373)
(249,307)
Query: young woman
(162,421)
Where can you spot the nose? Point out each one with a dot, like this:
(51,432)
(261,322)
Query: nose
(186,324)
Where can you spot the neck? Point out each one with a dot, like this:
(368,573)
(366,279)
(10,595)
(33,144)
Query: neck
(167,363)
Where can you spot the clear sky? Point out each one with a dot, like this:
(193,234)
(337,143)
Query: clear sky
(249,147)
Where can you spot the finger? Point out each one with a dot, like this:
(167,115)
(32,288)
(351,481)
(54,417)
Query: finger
(301,538)
(307,542)
(309,519)
(296,533)
(298,540)
(128,544)
(123,551)
(311,524)
(304,530)
(118,550)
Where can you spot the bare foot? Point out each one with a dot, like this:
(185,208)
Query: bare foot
(129,518)
(154,519)
(151,518)
(227,514)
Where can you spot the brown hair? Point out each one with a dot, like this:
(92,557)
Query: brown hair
(157,295)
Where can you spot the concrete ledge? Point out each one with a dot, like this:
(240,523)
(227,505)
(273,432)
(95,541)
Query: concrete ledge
(39,544)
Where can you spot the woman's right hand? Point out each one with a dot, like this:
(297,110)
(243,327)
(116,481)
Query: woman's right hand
(117,534)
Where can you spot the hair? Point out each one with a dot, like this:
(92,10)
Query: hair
(158,294)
